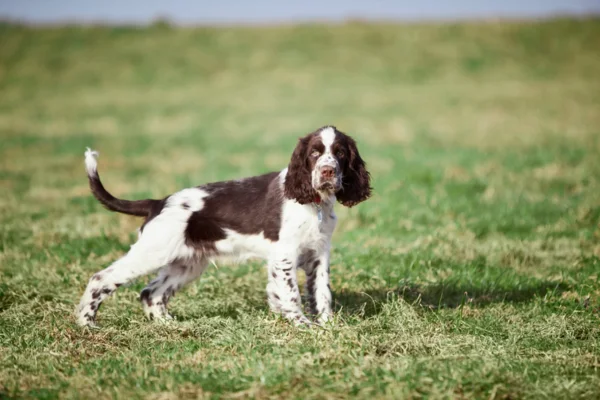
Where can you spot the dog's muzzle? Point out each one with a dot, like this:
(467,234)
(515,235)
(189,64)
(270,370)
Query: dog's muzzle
(327,178)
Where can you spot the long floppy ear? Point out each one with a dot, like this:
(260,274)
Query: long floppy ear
(298,181)
(356,181)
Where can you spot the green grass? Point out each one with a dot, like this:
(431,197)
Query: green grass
(471,273)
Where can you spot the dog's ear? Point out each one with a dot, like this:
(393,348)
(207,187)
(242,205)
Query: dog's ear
(356,180)
(298,181)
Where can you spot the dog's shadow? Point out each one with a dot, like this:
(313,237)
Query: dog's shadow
(437,296)
(368,303)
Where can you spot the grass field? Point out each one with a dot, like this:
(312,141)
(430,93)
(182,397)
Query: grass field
(473,272)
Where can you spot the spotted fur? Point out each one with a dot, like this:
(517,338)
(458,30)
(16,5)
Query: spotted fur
(286,218)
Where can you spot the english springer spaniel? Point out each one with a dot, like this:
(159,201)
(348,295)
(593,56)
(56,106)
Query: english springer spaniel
(285,217)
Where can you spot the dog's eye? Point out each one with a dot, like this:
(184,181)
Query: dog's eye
(315,154)
(340,154)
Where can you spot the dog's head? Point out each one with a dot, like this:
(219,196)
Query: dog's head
(327,162)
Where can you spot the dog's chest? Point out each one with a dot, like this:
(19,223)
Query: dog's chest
(308,226)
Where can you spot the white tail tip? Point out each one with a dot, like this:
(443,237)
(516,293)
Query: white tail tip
(91,163)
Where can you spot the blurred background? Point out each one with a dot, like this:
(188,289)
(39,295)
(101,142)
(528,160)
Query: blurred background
(269,11)
(473,116)
(202,80)
(472,271)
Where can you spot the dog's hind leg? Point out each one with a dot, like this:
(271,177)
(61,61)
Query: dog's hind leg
(171,278)
(105,282)
(159,245)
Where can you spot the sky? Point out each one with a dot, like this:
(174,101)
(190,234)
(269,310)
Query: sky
(272,11)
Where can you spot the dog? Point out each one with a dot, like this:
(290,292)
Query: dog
(285,218)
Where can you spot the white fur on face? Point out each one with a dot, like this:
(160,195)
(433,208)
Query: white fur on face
(327,137)
(327,158)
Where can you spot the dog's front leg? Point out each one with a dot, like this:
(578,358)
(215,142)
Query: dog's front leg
(317,287)
(282,290)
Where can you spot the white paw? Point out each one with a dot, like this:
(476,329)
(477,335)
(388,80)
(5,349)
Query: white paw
(158,314)
(302,321)
(324,318)
(84,320)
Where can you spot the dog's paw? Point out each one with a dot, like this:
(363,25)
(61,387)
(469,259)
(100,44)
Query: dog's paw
(159,315)
(86,321)
(301,321)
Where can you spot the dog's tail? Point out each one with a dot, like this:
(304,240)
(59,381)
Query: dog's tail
(140,208)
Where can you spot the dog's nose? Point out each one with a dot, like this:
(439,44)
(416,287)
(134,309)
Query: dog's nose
(327,172)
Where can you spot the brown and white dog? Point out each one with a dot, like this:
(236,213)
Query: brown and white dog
(285,218)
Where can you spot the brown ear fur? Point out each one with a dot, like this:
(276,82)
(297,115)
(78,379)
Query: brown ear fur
(298,181)
(356,183)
